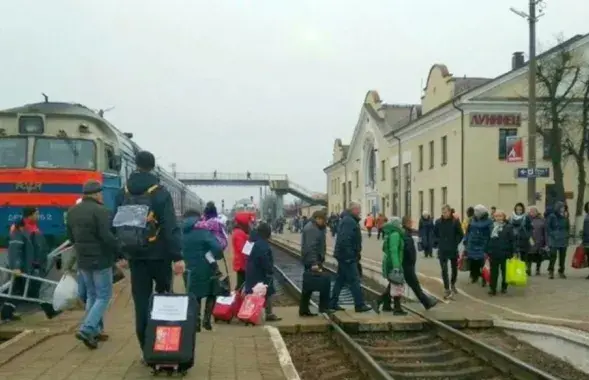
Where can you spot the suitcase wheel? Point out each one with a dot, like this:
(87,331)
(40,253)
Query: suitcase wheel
(216,320)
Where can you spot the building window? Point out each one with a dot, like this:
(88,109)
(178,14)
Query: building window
(444,150)
(420,199)
(383,168)
(444,195)
(407,169)
(504,133)
(395,204)
(420,157)
(432,203)
(350,191)
(395,190)
(431,154)
(357,178)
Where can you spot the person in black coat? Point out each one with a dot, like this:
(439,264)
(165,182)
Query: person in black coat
(501,247)
(426,234)
(313,249)
(448,234)
(522,231)
(348,248)
(260,267)
(409,261)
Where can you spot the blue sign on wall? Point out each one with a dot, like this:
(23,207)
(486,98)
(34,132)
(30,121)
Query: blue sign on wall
(532,173)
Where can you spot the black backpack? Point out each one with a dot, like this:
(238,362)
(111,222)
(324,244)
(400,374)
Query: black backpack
(135,224)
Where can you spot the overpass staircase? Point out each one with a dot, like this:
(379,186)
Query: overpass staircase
(279,183)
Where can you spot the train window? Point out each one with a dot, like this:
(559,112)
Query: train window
(66,153)
(13,152)
(30,125)
(111,164)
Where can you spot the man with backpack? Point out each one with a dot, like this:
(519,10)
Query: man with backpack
(146,226)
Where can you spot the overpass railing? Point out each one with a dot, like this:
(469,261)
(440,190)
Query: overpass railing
(211,176)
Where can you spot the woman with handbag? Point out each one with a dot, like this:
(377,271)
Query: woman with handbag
(392,264)
(201,251)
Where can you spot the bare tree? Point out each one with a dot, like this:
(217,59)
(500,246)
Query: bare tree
(558,78)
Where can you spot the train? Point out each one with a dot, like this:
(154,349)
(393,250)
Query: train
(48,150)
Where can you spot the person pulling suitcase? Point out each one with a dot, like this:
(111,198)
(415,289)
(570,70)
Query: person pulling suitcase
(313,248)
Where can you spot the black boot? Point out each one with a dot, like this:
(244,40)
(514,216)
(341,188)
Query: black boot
(397,309)
(206,323)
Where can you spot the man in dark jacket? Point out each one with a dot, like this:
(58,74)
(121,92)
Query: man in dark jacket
(348,247)
(88,228)
(447,235)
(557,229)
(152,264)
(313,248)
(408,265)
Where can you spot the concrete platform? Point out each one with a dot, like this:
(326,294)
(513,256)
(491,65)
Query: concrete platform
(47,350)
(292,323)
(553,302)
(353,322)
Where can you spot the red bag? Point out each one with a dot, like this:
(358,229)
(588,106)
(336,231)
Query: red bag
(463,262)
(223,310)
(579,258)
(252,309)
(486,273)
(237,303)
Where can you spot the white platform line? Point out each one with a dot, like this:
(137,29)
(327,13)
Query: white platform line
(288,368)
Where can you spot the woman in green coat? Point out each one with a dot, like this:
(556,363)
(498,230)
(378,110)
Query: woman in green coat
(392,262)
(201,251)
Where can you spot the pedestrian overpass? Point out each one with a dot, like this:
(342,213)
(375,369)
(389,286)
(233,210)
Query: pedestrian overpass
(280,184)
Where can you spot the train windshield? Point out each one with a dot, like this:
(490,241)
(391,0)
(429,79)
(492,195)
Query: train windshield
(13,152)
(58,153)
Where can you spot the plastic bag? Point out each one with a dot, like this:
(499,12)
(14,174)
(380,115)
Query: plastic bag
(486,273)
(397,290)
(463,264)
(260,289)
(516,272)
(579,258)
(66,292)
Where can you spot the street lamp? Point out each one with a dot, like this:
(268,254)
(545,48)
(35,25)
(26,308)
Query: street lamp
(536,10)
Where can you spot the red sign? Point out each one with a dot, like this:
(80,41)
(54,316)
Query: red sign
(495,120)
(167,338)
(515,149)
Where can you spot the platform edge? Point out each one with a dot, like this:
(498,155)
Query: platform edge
(288,368)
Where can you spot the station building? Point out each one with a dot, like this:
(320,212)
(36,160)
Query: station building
(465,143)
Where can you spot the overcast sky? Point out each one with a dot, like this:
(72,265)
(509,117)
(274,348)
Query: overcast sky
(259,85)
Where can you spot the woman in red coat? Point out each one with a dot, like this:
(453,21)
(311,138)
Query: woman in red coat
(239,238)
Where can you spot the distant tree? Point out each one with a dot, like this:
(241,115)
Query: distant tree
(561,90)
(268,206)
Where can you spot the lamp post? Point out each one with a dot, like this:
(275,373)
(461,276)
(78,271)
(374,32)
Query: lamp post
(535,11)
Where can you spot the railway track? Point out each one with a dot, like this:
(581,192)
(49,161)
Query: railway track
(435,353)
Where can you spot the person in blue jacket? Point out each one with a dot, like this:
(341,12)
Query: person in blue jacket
(260,267)
(476,241)
(348,249)
(557,229)
(201,250)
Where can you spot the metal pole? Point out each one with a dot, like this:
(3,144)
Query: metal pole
(532,104)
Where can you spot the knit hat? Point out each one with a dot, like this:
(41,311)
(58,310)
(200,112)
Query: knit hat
(210,210)
(92,187)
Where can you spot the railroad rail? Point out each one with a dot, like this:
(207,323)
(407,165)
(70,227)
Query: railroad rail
(438,352)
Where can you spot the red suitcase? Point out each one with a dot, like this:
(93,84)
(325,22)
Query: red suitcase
(251,311)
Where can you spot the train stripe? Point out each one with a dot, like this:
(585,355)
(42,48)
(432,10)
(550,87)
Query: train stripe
(38,199)
(40,188)
(48,176)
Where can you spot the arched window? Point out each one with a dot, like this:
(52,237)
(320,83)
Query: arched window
(372,167)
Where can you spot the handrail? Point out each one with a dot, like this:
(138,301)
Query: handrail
(219,176)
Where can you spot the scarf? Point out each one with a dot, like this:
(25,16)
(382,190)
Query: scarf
(517,217)
(497,228)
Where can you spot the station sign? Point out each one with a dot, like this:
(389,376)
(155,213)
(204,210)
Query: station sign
(495,119)
(532,173)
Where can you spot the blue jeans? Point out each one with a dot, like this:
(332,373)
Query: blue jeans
(347,274)
(83,295)
(98,286)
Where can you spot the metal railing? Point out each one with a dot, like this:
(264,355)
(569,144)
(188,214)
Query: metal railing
(212,176)
(304,191)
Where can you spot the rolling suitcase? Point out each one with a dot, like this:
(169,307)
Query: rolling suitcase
(170,337)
